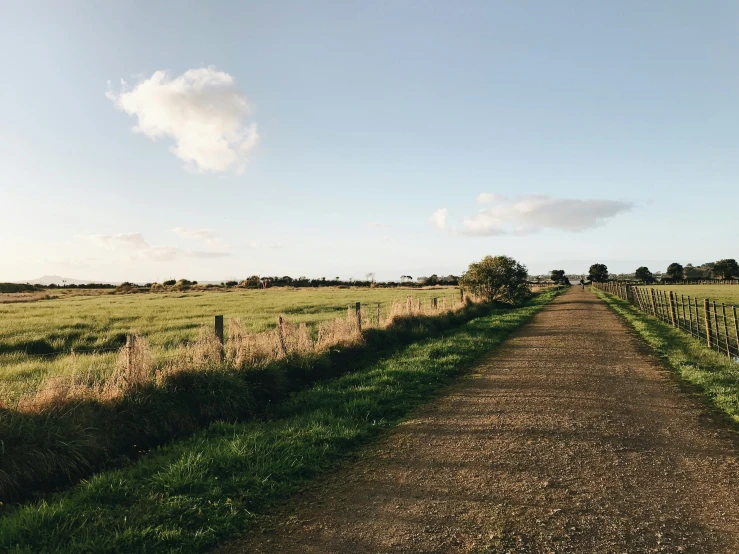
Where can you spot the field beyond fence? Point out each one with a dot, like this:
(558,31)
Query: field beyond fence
(706,319)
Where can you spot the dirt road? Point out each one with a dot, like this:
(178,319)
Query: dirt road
(569,439)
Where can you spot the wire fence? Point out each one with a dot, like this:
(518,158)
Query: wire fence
(92,368)
(714,323)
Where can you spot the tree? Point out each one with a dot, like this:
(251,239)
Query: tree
(558,276)
(726,268)
(643,274)
(675,271)
(431,281)
(598,273)
(497,278)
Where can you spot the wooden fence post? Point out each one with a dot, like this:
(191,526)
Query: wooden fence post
(358,309)
(736,329)
(461,295)
(672,308)
(690,314)
(697,319)
(219,334)
(378,314)
(709,334)
(715,326)
(654,302)
(726,330)
(281,334)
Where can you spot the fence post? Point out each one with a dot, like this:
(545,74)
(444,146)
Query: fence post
(358,309)
(129,353)
(715,326)
(697,319)
(378,314)
(736,329)
(726,330)
(219,334)
(690,314)
(709,334)
(281,334)
(654,302)
(461,295)
(672,309)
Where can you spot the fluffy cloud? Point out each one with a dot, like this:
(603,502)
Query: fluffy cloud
(201,110)
(438,218)
(528,214)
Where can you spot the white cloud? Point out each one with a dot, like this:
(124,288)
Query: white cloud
(528,214)
(490,198)
(438,218)
(201,110)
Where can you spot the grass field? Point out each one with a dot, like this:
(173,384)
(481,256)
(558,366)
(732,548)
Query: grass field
(728,294)
(35,336)
(193,494)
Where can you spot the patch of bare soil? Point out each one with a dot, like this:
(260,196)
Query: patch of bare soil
(569,439)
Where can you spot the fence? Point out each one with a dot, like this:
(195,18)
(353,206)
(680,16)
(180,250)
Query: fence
(699,282)
(135,361)
(715,324)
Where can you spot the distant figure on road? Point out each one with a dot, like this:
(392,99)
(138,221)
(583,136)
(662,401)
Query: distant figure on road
(582,284)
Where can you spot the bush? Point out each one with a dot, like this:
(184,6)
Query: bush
(497,278)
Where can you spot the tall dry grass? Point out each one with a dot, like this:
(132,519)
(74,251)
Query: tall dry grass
(136,366)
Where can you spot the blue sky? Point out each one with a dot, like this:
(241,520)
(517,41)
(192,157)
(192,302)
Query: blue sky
(341,138)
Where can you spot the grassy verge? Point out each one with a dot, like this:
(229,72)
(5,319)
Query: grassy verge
(192,494)
(45,450)
(713,374)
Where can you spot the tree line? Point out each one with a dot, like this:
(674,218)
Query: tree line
(722,269)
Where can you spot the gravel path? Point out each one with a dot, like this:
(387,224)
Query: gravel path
(569,439)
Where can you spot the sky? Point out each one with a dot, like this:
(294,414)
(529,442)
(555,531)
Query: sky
(152,140)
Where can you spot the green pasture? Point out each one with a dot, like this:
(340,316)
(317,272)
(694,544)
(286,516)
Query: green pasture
(727,294)
(35,338)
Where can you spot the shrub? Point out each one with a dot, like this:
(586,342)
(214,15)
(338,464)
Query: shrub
(497,278)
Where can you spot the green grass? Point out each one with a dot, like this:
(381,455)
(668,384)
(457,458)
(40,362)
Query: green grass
(52,446)
(190,495)
(712,373)
(102,320)
(727,294)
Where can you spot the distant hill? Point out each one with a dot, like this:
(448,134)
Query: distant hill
(47,280)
